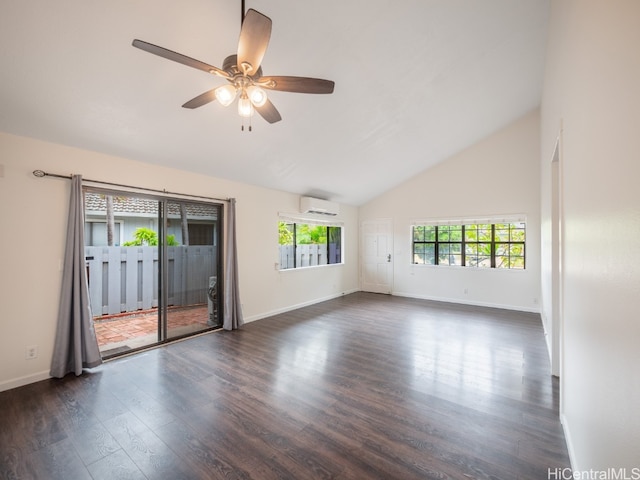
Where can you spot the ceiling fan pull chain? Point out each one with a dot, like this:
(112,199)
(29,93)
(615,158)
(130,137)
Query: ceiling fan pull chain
(249,127)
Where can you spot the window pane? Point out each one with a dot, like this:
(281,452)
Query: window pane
(311,245)
(502,234)
(450,259)
(517,262)
(484,261)
(484,233)
(484,249)
(334,235)
(471,233)
(418,234)
(430,233)
(502,249)
(430,254)
(285,231)
(502,261)
(517,234)
(287,249)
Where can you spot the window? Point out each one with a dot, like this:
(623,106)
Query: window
(308,244)
(481,245)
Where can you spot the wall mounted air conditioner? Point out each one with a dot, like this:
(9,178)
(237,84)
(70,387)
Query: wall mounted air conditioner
(316,205)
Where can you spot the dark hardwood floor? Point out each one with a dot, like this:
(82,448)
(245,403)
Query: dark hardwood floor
(362,387)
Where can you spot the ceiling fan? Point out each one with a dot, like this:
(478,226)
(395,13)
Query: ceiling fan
(243,72)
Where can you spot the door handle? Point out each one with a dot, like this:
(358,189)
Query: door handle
(389,258)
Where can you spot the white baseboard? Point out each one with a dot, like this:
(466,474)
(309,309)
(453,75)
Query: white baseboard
(568,439)
(26,380)
(289,308)
(460,302)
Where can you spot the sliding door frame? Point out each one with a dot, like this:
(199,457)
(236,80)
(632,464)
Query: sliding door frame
(163,333)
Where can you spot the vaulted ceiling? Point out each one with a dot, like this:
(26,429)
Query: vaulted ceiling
(416,82)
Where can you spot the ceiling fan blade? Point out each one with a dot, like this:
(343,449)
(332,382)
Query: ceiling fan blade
(178,57)
(269,112)
(296,84)
(201,100)
(254,39)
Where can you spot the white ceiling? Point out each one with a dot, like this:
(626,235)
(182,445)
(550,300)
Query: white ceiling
(416,82)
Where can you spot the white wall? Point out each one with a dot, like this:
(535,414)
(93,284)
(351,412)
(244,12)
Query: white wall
(592,89)
(33,215)
(497,176)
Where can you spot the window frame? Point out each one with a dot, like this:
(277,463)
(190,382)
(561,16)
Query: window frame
(328,253)
(437,249)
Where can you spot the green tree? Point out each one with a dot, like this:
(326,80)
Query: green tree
(146,236)
(285,233)
(310,234)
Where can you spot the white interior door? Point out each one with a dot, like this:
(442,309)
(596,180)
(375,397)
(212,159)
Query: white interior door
(377,256)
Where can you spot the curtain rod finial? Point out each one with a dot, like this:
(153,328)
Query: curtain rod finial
(39,173)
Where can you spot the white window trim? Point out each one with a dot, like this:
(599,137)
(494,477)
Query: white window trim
(513,218)
(311,220)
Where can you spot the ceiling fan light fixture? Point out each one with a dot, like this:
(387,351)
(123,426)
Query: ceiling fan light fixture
(245,108)
(225,94)
(243,72)
(257,96)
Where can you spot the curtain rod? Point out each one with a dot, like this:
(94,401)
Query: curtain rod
(41,173)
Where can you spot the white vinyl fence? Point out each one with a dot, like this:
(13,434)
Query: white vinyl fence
(125,279)
(306,255)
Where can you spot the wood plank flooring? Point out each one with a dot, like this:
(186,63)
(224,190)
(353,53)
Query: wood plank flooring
(361,387)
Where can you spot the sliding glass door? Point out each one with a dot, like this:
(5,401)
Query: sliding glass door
(154,268)
(192,266)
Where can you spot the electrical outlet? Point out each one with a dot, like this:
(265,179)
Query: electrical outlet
(31,352)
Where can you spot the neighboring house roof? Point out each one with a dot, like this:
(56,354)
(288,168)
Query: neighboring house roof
(95,203)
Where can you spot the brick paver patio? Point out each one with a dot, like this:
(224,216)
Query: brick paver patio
(127,331)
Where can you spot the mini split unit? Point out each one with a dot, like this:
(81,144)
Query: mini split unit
(316,205)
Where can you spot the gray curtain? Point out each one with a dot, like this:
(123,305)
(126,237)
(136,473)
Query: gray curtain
(232,307)
(76,346)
